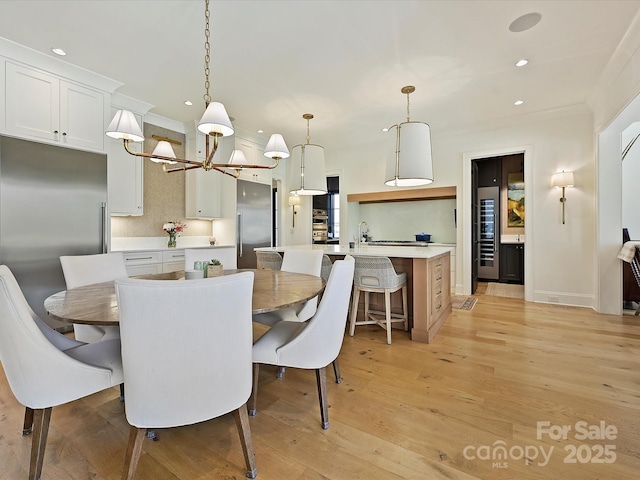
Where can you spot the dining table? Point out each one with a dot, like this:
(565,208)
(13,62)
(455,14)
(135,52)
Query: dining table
(96,304)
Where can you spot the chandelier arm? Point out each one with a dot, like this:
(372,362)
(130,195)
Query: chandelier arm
(160,157)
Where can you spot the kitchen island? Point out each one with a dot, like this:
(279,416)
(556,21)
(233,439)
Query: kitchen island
(428,285)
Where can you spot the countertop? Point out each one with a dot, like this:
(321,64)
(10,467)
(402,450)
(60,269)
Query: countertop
(146,244)
(375,250)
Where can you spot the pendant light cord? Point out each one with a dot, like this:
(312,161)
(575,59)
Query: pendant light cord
(207,54)
(408,116)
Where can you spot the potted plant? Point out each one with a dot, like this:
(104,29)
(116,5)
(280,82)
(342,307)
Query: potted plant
(214,269)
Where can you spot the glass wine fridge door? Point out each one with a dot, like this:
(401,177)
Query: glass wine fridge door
(488,246)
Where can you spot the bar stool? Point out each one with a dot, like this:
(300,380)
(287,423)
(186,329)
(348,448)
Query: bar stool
(269,260)
(377,275)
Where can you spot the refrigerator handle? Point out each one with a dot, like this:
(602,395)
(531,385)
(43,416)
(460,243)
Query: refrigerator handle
(103,207)
(240,233)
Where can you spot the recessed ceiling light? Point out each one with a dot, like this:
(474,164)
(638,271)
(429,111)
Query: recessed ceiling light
(260,131)
(522,62)
(59,51)
(518,102)
(385,129)
(188,102)
(525,22)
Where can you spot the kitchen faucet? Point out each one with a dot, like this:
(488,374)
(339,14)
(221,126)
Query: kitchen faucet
(360,231)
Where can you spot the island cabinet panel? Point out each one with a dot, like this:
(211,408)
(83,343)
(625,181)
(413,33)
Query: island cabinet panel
(433,306)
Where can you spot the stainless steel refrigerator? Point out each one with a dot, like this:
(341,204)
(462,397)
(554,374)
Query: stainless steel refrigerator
(254,221)
(52,203)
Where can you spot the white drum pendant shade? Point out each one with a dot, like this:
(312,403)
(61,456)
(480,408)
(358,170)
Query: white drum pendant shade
(410,163)
(308,175)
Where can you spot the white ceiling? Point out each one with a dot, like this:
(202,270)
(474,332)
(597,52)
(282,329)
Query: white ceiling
(344,61)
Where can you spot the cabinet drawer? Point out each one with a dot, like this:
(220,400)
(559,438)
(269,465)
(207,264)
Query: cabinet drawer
(172,267)
(142,258)
(169,256)
(133,270)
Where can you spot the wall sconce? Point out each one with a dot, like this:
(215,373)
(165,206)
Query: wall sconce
(293,201)
(562,180)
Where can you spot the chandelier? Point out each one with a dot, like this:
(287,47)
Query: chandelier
(410,164)
(215,123)
(307,167)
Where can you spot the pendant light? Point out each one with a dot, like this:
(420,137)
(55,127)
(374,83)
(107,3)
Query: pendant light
(410,164)
(307,174)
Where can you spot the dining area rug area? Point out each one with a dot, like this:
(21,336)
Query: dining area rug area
(463,303)
(505,290)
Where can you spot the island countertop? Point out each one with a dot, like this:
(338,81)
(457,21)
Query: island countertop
(374,250)
(427,269)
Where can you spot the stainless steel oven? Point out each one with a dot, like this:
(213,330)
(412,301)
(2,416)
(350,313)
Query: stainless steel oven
(320,226)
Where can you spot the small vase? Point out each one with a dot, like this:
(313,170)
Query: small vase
(172,241)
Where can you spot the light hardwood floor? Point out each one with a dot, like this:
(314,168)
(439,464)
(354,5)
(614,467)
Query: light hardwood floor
(404,411)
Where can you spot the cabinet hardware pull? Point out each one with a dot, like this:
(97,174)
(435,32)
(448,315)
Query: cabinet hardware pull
(139,258)
(55,132)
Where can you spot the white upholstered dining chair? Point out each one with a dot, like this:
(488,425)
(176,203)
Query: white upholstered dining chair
(313,344)
(203,329)
(296,261)
(227,257)
(81,270)
(45,371)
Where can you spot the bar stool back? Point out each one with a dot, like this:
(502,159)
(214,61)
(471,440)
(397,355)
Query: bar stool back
(377,275)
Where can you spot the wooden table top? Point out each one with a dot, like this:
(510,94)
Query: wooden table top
(96,304)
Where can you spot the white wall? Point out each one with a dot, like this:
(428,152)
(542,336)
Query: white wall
(561,257)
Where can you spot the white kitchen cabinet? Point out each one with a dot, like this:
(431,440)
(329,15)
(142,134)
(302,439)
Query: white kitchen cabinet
(172,261)
(45,107)
(146,262)
(202,188)
(254,154)
(125,177)
(143,263)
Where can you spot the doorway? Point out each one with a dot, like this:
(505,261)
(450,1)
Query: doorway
(519,271)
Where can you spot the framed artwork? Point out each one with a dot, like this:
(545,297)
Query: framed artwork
(515,199)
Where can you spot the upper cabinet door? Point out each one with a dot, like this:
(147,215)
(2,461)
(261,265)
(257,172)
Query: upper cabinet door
(44,107)
(81,116)
(125,178)
(33,103)
(254,154)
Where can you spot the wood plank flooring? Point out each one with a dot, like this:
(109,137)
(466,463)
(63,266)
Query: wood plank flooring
(404,411)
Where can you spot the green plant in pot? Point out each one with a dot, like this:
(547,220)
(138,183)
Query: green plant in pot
(214,269)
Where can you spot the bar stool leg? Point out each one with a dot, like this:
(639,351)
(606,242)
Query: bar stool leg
(354,310)
(387,313)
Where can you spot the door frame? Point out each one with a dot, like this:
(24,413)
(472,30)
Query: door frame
(464,205)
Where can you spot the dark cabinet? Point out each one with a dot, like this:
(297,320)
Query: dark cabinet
(489,172)
(512,263)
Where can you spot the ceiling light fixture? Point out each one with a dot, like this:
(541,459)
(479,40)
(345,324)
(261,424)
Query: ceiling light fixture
(518,102)
(522,62)
(59,51)
(214,123)
(411,163)
(307,174)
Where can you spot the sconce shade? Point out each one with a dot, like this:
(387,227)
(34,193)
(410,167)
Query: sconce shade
(237,158)
(163,149)
(562,179)
(411,163)
(294,200)
(215,120)
(276,147)
(124,126)
(307,170)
